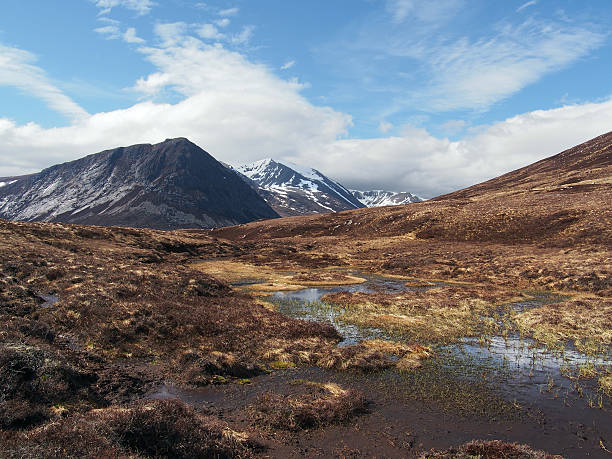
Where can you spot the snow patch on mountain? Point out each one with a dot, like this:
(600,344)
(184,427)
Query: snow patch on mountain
(297,190)
(7,183)
(380,198)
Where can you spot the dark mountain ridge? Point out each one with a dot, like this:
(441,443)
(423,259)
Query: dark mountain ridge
(169,185)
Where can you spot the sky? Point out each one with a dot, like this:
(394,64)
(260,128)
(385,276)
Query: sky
(406,95)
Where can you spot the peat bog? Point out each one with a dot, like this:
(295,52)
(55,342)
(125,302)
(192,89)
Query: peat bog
(478,323)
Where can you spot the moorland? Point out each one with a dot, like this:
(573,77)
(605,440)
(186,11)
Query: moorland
(476,323)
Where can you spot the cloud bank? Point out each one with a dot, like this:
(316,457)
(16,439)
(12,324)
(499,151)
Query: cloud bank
(240,111)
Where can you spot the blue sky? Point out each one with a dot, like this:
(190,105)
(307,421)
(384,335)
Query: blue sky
(401,94)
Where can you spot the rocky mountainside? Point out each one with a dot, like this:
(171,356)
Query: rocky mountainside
(169,185)
(294,190)
(380,198)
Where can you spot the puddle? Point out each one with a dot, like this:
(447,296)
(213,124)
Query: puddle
(521,369)
(49,300)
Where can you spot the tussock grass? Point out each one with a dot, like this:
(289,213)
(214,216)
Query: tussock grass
(145,429)
(605,384)
(369,355)
(494,449)
(312,405)
(587,322)
(441,314)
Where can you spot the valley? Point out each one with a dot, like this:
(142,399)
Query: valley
(479,322)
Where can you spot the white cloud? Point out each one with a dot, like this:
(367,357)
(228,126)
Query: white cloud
(110,32)
(170,33)
(421,163)
(287,65)
(18,69)
(210,32)
(526,5)
(237,110)
(113,32)
(130,36)
(476,74)
(142,7)
(244,36)
(229,12)
(385,126)
(223,22)
(453,127)
(423,10)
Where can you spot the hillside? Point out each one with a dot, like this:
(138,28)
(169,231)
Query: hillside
(561,201)
(173,184)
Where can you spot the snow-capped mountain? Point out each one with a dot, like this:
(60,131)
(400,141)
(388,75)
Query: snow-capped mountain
(379,198)
(295,190)
(173,184)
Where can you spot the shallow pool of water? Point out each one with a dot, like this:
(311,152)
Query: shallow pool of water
(528,371)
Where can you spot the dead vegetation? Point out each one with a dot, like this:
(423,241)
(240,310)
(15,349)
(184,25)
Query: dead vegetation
(440,314)
(260,278)
(144,429)
(311,405)
(586,322)
(368,355)
(494,449)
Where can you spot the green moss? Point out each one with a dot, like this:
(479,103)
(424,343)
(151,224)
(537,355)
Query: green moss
(281,364)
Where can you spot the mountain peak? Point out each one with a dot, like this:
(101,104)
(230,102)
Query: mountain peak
(172,184)
(296,190)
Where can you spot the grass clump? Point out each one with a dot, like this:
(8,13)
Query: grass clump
(556,324)
(368,355)
(442,314)
(489,450)
(313,405)
(159,428)
(605,384)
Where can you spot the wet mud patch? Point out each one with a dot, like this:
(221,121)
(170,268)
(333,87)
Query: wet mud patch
(399,421)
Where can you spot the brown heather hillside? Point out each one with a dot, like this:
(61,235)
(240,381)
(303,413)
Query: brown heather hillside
(561,201)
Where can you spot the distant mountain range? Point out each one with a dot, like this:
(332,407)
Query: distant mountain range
(173,184)
(296,190)
(380,198)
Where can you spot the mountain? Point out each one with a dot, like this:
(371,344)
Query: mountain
(380,198)
(561,201)
(294,190)
(169,185)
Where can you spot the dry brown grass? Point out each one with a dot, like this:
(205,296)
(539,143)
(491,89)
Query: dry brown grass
(438,314)
(369,355)
(145,429)
(585,321)
(605,384)
(494,449)
(262,278)
(325,278)
(311,405)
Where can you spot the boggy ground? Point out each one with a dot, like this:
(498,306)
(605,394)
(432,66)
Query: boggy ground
(93,320)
